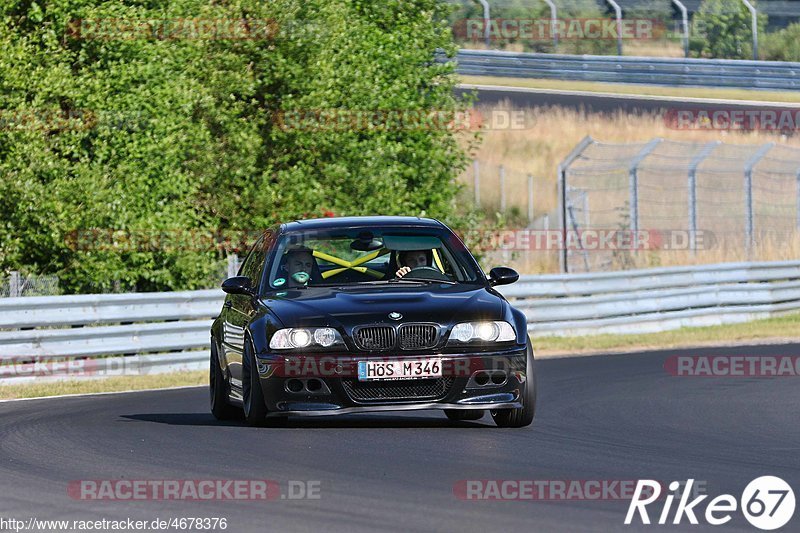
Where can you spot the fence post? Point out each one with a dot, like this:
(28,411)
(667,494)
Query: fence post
(476,181)
(14,285)
(748,194)
(553,23)
(685,23)
(502,189)
(562,197)
(530,200)
(633,178)
(692,191)
(618,12)
(486,20)
(754,23)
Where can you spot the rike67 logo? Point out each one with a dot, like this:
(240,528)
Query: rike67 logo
(767,503)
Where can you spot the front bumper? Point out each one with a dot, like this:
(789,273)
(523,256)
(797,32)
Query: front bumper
(340,392)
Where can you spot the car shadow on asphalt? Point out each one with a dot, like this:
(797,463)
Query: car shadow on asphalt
(369,421)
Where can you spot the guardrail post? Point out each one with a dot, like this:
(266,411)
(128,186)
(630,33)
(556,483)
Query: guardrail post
(748,195)
(553,23)
(754,16)
(633,178)
(692,192)
(530,200)
(502,189)
(562,197)
(486,21)
(476,181)
(618,11)
(14,285)
(685,21)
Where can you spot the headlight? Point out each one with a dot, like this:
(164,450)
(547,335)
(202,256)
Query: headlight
(289,338)
(497,331)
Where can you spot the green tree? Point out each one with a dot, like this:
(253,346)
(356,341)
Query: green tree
(162,134)
(723,30)
(782,45)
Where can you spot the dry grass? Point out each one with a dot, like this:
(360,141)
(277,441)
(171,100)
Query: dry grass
(119,383)
(777,330)
(551,135)
(657,48)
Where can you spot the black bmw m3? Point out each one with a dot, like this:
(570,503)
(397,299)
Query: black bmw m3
(360,314)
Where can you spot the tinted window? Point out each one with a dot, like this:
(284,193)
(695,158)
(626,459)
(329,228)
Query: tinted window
(369,255)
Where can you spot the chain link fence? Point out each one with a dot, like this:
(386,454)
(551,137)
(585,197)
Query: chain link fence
(16,284)
(730,201)
(521,197)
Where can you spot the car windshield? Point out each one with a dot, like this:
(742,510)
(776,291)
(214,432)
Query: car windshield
(355,256)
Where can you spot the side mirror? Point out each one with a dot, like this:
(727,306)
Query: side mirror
(502,276)
(238,285)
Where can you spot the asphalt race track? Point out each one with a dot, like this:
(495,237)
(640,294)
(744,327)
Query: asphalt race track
(614,417)
(521,98)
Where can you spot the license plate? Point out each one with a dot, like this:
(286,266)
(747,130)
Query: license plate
(404,369)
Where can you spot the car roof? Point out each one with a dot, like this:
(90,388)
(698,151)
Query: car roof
(356,222)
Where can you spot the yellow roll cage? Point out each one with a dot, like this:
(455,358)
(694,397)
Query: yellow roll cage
(355,264)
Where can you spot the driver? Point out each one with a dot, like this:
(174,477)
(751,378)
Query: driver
(411,259)
(299,264)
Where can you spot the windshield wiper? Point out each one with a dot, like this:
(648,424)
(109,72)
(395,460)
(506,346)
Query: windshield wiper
(422,280)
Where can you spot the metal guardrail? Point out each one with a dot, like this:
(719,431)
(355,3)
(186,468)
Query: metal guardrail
(623,69)
(659,299)
(105,334)
(160,332)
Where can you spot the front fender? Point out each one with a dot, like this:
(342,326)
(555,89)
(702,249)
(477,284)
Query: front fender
(261,329)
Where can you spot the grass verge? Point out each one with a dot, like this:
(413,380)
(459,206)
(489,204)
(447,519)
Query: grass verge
(776,329)
(114,384)
(636,89)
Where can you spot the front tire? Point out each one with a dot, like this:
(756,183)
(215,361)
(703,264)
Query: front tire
(253,404)
(255,410)
(218,389)
(521,416)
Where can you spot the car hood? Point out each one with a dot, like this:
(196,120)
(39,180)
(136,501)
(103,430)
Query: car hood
(351,306)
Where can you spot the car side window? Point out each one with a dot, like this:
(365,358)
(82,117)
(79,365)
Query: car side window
(254,263)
